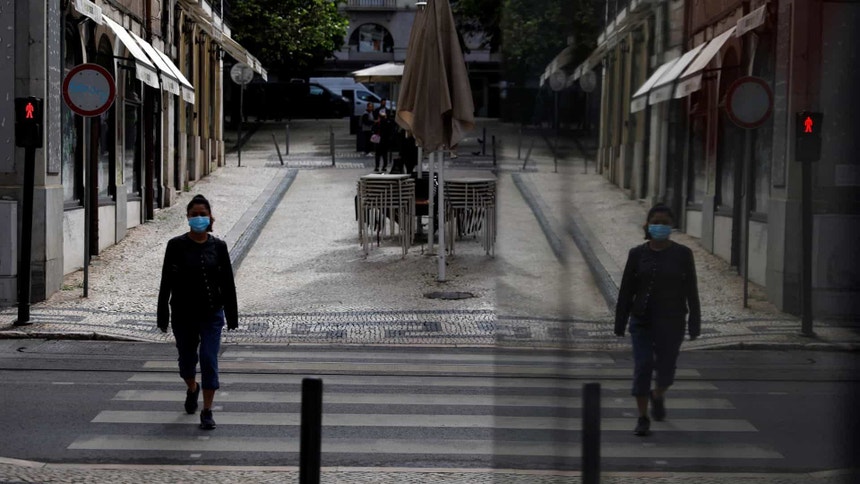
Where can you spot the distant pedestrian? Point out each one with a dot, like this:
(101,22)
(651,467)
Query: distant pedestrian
(368,119)
(383,106)
(658,291)
(197,294)
(384,131)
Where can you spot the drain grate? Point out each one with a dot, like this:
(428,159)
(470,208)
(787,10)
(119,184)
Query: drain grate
(449,295)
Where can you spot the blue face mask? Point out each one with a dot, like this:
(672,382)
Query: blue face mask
(199,224)
(659,232)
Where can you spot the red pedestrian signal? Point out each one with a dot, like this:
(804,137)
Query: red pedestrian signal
(28,122)
(807,136)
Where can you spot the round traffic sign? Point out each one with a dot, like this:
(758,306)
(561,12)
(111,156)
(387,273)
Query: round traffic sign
(749,102)
(241,74)
(588,81)
(557,80)
(89,90)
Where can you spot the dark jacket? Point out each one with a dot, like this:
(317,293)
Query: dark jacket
(385,128)
(367,121)
(196,282)
(659,286)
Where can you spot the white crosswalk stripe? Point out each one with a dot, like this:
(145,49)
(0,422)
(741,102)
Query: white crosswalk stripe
(460,409)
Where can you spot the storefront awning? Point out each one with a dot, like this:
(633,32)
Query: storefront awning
(186,88)
(168,79)
(751,21)
(562,60)
(145,69)
(664,88)
(691,79)
(88,8)
(241,55)
(640,98)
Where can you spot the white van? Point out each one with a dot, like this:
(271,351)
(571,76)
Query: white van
(363,95)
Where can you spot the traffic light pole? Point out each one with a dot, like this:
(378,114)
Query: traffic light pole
(26,238)
(806,248)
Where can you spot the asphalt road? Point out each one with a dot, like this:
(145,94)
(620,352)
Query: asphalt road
(109,402)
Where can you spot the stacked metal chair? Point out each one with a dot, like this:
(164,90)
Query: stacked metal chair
(386,200)
(470,205)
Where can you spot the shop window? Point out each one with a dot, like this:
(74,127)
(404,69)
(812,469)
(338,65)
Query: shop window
(107,131)
(132,153)
(730,141)
(71,126)
(372,38)
(697,158)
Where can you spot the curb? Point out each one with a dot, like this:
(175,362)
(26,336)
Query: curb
(681,475)
(273,194)
(581,237)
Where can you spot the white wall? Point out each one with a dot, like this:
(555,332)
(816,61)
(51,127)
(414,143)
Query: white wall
(694,223)
(758,253)
(723,237)
(73,240)
(132,213)
(107,226)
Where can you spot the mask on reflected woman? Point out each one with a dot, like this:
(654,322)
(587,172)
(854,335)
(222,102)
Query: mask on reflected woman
(199,224)
(659,232)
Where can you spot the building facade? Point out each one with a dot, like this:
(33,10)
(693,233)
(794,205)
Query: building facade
(379,33)
(98,177)
(667,69)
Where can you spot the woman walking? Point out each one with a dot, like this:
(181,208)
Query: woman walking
(658,291)
(197,293)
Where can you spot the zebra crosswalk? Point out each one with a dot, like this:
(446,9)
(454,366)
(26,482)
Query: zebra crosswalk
(418,409)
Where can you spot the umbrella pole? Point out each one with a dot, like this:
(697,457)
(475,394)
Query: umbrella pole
(430,213)
(420,161)
(442,246)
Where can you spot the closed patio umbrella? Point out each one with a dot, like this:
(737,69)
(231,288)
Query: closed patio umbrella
(435,103)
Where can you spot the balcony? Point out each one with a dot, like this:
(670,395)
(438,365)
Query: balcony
(371,5)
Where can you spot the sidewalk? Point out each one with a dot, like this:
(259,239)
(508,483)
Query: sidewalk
(577,202)
(14,471)
(558,232)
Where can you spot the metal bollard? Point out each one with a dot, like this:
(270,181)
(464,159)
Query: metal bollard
(528,154)
(331,143)
(484,143)
(310,444)
(520,143)
(494,150)
(287,147)
(278,149)
(591,433)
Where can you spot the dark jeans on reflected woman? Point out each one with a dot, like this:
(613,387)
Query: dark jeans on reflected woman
(203,335)
(655,347)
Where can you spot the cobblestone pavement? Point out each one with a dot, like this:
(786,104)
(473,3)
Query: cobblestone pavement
(306,279)
(12,471)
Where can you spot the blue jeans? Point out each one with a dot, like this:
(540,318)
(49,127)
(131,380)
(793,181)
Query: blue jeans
(655,347)
(204,334)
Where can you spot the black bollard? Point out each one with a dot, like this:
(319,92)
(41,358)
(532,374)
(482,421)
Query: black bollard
(494,150)
(278,149)
(591,433)
(310,445)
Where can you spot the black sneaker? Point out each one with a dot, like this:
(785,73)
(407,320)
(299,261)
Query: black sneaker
(658,408)
(207,422)
(191,400)
(643,426)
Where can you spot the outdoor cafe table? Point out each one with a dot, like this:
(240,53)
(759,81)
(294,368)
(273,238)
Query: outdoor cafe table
(386,199)
(470,203)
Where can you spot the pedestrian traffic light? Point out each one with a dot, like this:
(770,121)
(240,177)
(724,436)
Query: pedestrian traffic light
(807,136)
(28,122)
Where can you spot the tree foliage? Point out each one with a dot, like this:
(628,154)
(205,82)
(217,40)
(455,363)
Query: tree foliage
(535,31)
(289,33)
(530,33)
(480,17)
